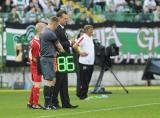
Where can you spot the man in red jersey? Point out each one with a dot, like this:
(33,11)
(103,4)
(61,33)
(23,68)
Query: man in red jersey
(34,53)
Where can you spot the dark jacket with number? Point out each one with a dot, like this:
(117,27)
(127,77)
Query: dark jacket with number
(62,37)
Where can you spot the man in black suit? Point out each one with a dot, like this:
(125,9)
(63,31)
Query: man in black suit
(62,78)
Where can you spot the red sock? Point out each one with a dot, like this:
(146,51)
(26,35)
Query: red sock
(36,95)
(31,96)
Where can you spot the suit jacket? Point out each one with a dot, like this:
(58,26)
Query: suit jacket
(62,37)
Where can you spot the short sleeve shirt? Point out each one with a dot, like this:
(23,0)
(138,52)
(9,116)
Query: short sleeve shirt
(48,39)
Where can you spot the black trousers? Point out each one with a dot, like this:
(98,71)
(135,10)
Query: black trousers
(78,83)
(85,73)
(77,74)
(61,87)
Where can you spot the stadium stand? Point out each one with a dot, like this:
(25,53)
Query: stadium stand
(81,11)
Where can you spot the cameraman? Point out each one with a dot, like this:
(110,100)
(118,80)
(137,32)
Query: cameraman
(85,47)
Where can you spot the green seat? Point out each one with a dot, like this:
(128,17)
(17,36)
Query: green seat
(97,9)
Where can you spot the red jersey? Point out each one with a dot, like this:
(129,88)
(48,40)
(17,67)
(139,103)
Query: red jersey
(34,52)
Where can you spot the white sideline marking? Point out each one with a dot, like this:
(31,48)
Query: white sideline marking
(96,110)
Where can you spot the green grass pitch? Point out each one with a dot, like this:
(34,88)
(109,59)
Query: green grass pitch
(141,102)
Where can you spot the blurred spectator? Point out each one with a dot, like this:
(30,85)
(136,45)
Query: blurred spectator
(36,4)
(116,5)
(119,5)
(68,7)
(82,19)
(135,5)
(146,15)
(48,7)
(157,14)
(131,3)
(87,3)
(32,15)
(102,4)
(96,8)
(28,8)
(110,6)
(14,17)
(151,4)
(57,4)
(76,14)
(138,6)
(21,4)
(32,10)
(158,2)
(7,6)
(89,18)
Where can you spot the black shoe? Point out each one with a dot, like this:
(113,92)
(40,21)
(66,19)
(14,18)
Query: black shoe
(54,107)
(83,97)
(29,106)
(47,108)
(57,106)
(78,95)
(70,106)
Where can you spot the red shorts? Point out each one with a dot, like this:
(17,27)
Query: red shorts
(35,76)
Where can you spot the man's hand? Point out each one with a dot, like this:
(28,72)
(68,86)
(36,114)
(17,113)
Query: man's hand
(83,54)
(62,50)
(72,42)
(77,48)
(59,47)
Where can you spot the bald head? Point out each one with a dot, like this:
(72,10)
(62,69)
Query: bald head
(39,27)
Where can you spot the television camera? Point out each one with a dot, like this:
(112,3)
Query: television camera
(103,56)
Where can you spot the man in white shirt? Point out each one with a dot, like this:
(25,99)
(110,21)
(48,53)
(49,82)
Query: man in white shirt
(85,47)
